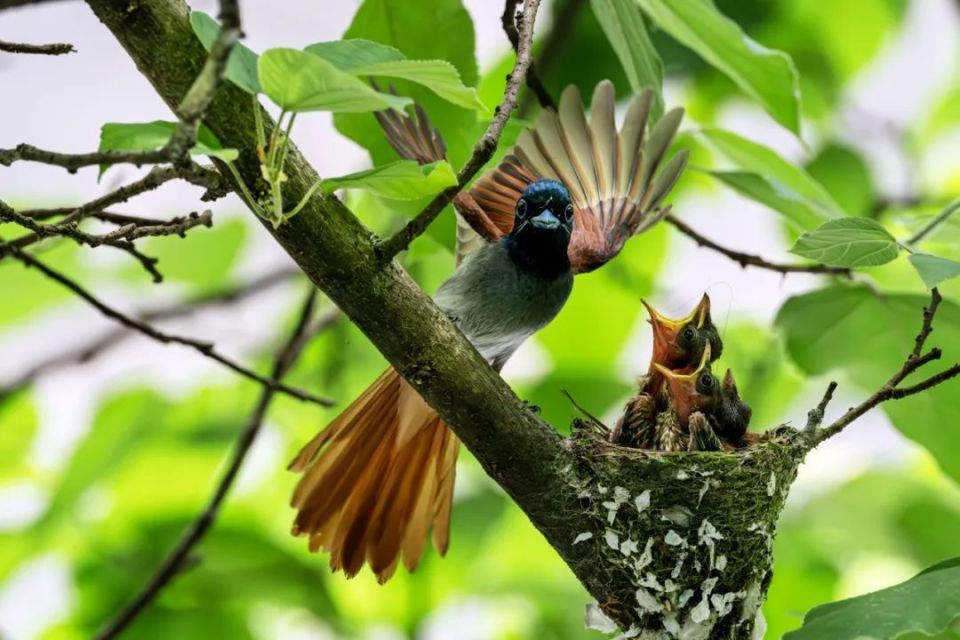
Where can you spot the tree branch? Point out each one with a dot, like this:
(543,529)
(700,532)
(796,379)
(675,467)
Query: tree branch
(201,525)
(57,49)
(485,147)
(111,338)
(891,390)
(509,22)
(204,348)
(940,218)
(749,260)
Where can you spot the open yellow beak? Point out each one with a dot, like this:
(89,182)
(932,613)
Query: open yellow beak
(683,392)
(665,329)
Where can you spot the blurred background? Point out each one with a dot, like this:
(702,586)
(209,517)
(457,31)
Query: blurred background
(103,465)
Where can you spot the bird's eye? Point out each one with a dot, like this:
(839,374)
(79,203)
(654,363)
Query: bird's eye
(568,213)
(707,381)
(688,334)
(521,208)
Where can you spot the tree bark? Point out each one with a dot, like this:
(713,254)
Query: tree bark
(565,486)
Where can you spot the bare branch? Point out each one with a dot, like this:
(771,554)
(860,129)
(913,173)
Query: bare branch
(111,338)
(509,22)
(749,260)
(891,390)
(815,416)
(485,147)
(204,348)
(57,49)
(174,561)
(565,16)
(939,219)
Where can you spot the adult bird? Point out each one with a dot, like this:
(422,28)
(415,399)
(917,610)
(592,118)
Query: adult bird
(564,201)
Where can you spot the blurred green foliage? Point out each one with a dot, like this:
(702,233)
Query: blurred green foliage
(146,463)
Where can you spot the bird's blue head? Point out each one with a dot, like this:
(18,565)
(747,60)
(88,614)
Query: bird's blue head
(542,228)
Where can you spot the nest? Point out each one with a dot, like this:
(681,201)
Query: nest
(687,537)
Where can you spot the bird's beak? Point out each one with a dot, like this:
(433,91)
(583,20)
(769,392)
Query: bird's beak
(682,385)
(545,220)
(665,330)
(702,311)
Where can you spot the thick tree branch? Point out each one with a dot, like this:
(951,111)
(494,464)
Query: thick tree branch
(485,147)
(204,348)
(194,534)
(892,390)
(104,342)
(522,453)
(749,260)
(56,49)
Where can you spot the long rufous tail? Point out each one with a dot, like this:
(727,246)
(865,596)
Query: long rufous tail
(376,479)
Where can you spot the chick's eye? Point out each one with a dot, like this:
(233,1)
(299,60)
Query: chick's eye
(568,213)
(521,208)
(707,381)
(687,334)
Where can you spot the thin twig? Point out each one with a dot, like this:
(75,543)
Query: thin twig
(174,561)
(509,22)
(113,337)
(750,260)
(891,389)
(940,218)
(565,16)
(57,49)
(205,348)
(484,149)
(815,416)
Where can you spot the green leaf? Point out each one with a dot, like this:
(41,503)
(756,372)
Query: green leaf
(771,180)
(769,76)
(401,180)
(867,334)
(934,270)
(928,602)
(439,76)
(354,52)
(848,242)
(149,136)
(423,30)
(622,22)
(846,177)
(298,81)
(242,63)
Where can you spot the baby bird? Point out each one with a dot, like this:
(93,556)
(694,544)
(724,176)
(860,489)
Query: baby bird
(678,344)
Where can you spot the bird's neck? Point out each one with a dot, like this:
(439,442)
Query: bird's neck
(543,255)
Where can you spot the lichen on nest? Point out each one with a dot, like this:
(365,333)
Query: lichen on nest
(686,536)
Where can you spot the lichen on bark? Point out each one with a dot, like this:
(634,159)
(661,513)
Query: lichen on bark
(685,538)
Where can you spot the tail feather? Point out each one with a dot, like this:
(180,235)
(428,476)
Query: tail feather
(376,480)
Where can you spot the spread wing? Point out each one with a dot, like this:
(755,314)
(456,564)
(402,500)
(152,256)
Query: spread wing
(616,180)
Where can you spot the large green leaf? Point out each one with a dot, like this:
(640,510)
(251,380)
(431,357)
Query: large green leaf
(622,22)
(148,136)
(439,76)
(771,180)
(355,52)
(848,242)
(767,75)
(242,63)
(298,81)
(867,334)
(401,180)
(933,269)
(928,602)
(424,30)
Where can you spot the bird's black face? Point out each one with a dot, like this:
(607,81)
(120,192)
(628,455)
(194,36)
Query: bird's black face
(542,228)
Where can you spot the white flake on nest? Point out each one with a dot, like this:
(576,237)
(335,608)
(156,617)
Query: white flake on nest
(671,625)
(611,508)
(751,600)
(682,475)
(673,539)
(676,569)
(669,586)
(678,515)
(583,537)
(613,540)
(707,535)
(642,501)
(721,563)
(772,484)
(701,612)
(621,495)
(628,547)
(650,581)
(646,557)
(601,489)
(723,604)
(695,631)
(632,632)
(708,585)
(595,618)
(647,602)
(759,626)
(684,598)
